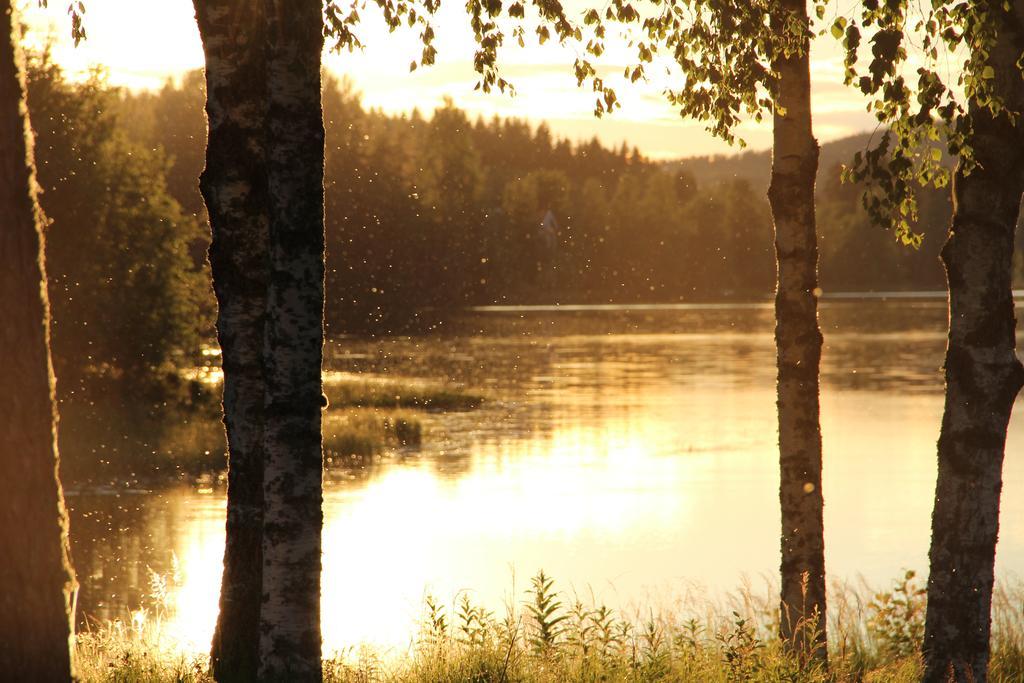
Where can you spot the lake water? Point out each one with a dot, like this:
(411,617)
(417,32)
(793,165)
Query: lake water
(630,454)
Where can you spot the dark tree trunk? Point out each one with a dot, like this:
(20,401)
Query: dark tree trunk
(983,377)
(290,643)
(798,342)
(235,190)
(37,586)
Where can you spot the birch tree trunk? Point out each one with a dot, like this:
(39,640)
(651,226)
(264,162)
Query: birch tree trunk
(290,644)
(37,585)
(983,377)
(235,191)
(798,344)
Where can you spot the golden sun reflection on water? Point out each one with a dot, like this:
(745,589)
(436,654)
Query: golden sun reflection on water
(415,531)
(192,612)
(629,509)
(539,501)
(531,503)
(639,468)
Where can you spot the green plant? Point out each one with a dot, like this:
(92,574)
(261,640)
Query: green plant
(580,628)
(584,643)
(654,655)
(475,623)
(606,631)
(690,635)
(896,620)
(547,614)
(435,625)
(740,649)
(359,435)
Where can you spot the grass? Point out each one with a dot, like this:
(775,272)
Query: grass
(120,654)
(109,440)
(551,637)
(353,435)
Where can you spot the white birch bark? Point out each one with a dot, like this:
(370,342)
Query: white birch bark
(290,642)
(233,185)
(798,345)
(983,377)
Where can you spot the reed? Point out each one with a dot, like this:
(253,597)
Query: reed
(354,435)
(549,636)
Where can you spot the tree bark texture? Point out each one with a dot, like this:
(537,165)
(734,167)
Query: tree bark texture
(234,188)
(983,377)
(290,643)
(37,585)
(798,344)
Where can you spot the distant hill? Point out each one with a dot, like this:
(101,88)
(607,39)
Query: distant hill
(755,166)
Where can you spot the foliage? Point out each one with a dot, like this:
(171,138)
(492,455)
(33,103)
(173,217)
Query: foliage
(918,64)
(465,643)
(428,215)
(547,614)
(126,290)
(896,621)
(415,232)
(172,120)
(931,73)
(721,53)
(355,436)
(490,21)
(76,11)
(110,442)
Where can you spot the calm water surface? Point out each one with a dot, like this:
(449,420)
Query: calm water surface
(630,454)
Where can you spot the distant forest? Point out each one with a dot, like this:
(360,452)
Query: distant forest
(425,215)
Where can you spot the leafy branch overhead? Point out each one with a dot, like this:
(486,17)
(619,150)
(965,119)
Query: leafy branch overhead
(490,21)
(720,52)
(929,72)
(340,23)
(548,19)
(76,10)
(919,65)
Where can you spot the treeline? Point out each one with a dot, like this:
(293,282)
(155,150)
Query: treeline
(424,216)
(856,254)
(429,214)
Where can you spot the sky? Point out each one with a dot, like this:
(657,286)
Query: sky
(142,43)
